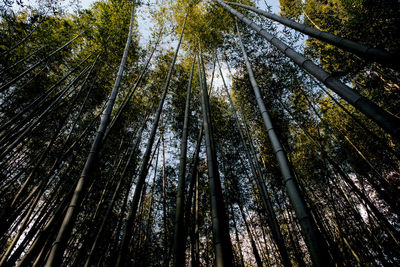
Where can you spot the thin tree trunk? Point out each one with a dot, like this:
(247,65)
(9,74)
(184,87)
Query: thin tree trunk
(58,246)
(21,192)
(29,127)
(19,130)
(193,181)
(389,228)
(23,39)
(250,235)
(358,121)
(22,228)
(7,211)
(196,233)
(239,247)
(179,245)
(150,212)
(132,90)
(123,250)
(220,226)
(316,246)
(164,198)
(21,60)
(257,173)
(132,157)
(39,101)
(392,231)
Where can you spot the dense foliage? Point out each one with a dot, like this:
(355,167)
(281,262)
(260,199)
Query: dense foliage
(57,72)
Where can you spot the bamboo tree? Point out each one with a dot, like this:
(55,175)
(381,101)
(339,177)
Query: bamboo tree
(49,204)
(239,247)
(122,253)
(363,51)
(179,244)
(23,225)
(196,234)
(8,210)
(11,210)
(315,245)
(383,182)
(28,123)
(386,121)
(37,104)
(150,210)
(193,180)
(237,198)
(164,199)
(45,233)
(131,158)
(257,173)
(66,227)
(220,226)
(17,138)
(117,232)
(373,168)
(39,172)
(250,235)
(358,121)
(55,136)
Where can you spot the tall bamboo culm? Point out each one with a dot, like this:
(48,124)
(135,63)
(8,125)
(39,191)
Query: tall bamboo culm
(179,233)
(56,252)
(258,176)
(123,249)
(316,246)
(220,226)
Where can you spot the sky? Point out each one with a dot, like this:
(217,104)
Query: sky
(86,3)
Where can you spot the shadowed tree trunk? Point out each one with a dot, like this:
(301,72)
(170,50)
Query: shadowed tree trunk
(179,244)
(123,250)
(55,256)
(258,176)
(315,245)
(220,226)
(130,161)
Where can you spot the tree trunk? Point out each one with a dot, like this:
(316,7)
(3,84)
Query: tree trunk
(316,246)
(131,159)
(123,250)
(257,173)
(222,242)
(179,245)
(55,256)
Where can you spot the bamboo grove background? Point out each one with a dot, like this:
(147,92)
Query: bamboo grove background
(227,136)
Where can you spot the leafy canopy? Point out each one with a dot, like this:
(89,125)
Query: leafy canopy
(206,26)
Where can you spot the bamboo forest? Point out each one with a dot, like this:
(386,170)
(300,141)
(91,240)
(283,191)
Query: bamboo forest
(199,133)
